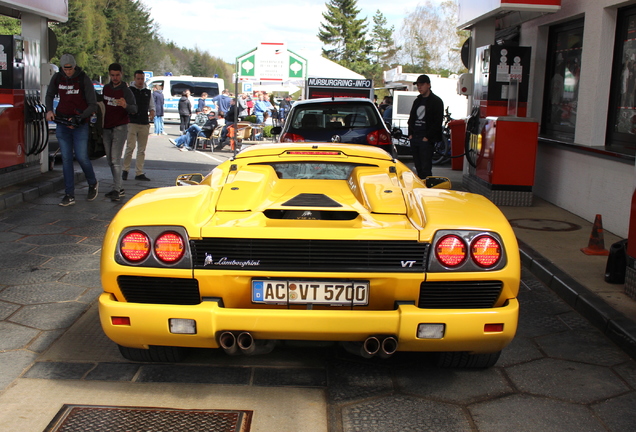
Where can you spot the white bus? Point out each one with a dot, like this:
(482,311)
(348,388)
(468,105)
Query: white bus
(173,86)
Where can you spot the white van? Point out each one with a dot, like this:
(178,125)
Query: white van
(174,86)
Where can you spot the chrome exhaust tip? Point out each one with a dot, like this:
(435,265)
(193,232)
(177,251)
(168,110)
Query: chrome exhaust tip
(370,346)
(227,341)
(388,347)
(245,342)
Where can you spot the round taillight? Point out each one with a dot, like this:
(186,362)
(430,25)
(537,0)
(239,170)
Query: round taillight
(135,246)
(451,250)
(169,247)
(485,251)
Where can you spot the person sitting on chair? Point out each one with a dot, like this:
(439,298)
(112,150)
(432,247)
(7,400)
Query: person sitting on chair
(188,140)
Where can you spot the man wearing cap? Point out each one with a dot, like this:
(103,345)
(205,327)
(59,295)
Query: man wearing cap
(425,126)
(77,102)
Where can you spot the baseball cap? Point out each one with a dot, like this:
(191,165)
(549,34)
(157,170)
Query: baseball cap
(423,79)
(67,59)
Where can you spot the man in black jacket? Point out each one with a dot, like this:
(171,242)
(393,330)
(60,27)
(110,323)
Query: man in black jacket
(425,126)
(139,127)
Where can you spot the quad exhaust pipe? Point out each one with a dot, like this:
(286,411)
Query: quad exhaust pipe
(242,342)
(382,346)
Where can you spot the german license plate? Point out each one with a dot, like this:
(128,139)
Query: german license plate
(334,293)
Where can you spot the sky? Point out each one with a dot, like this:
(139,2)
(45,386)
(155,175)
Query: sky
(230,28)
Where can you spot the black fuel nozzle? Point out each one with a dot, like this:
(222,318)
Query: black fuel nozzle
(73,121)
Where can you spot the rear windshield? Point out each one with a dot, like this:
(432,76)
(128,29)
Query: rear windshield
(313,170)
(195,87)
(334,116)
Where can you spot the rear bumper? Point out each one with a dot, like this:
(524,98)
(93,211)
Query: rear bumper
(464,327)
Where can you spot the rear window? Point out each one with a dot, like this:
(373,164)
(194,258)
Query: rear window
(334,116)
(313,170)
(195,87)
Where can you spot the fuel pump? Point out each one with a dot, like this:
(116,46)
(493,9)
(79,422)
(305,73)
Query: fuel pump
(501,142)
(22,121)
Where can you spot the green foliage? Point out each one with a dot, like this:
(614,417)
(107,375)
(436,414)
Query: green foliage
(10,26)
(345,33)
(267,131)
(250,118)
(101,32)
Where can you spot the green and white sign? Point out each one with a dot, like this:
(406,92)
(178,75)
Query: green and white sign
(271,61)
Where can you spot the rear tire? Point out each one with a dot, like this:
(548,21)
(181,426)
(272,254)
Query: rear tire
(465,360)
(441,151)
(163,354)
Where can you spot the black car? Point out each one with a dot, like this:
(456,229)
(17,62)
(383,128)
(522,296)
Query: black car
(346,120)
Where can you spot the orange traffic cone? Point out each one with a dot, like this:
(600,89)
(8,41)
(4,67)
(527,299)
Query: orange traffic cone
(596,245)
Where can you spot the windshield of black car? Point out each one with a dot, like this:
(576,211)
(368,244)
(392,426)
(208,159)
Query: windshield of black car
(313,170)
(334,116)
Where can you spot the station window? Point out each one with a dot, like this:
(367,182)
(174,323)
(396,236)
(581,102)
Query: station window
(621,125)
(565,45)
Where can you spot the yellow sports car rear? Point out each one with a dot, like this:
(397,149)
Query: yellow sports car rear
(314,242)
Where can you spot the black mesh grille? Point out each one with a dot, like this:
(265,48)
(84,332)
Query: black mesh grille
(459,295)
(310,255)
(311,200)
(158,290)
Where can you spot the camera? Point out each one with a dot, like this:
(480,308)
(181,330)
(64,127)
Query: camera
(74,121)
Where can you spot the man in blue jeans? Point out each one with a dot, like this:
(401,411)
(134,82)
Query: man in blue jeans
(76,105)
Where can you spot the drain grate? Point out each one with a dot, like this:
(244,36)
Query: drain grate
(82,418)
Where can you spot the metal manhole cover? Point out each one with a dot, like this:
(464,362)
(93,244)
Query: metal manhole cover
(544,225)
(82,418)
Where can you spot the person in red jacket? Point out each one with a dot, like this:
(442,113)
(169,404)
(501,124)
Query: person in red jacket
(77,102)
(119,102)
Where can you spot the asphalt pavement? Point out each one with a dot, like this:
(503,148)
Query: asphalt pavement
(571,366)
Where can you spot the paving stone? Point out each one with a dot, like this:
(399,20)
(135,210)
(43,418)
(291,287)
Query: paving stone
(59,370)
(90,231)
(66,249)
(51,239)
(41,293)
(566,380)
(14,336)
(525,413)
(15,248)
(39,229)
(81,223)
(5,226)
(520,350)
(588,346)
(12,364)
(9,236)
(23,261)
(113,372)
(574,321)
(195,374)
(6,309)
(14,276)
(359,379)
(49,316)
(627,371)
(449,385)
(44,340)
(404,414)
(73,263)
(294,377)
(534,323)
(618,413)
(83,278)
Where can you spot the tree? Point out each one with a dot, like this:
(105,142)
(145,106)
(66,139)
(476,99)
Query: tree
(430,39)
(10,26)
(382,42)
(345,33)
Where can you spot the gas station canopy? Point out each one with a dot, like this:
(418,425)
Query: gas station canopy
(509,12)
(54,10)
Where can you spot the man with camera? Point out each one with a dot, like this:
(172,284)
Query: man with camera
(77,102)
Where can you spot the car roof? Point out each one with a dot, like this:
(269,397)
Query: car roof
(350,150)
(331,100)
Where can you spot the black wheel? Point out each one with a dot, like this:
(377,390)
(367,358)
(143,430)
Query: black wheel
(441,152)
(466,360)
(163,354)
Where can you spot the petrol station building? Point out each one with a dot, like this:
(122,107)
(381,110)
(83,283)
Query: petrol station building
(25,71)
(581,92)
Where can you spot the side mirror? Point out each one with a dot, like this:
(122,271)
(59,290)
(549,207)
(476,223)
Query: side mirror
(189,179)
(276,130)
(437,182)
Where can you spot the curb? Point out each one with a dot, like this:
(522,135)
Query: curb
(616,326)
(31,190)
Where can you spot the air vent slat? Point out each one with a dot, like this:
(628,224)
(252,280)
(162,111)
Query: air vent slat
(459,295)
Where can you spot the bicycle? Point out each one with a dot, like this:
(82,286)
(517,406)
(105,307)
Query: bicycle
(442,150)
